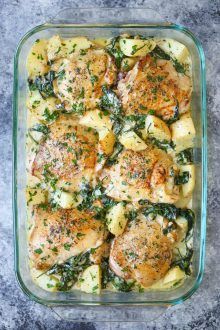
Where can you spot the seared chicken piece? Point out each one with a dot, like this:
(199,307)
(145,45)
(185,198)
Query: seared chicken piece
(154,84)
(58,235)
(100,253)
(148,174)
(141,253)
(81,78)
(67,155)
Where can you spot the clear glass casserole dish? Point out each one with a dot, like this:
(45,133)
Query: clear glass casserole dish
(107,23)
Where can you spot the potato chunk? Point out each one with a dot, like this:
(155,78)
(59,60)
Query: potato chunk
(35,196)
(136,47)
(106,141)
(116,220)
(183,133)
(131,140)
(67,200)
(91,279)
(37,59)
(155,127)
(174,48)
(187,188)
(96,120)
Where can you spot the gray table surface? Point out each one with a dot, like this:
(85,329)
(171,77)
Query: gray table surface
(202,311)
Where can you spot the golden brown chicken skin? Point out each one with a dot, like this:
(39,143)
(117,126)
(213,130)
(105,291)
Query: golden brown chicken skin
(57,235)
(67,155)
(154,84)
(148,174)
(81,78)
(142,253)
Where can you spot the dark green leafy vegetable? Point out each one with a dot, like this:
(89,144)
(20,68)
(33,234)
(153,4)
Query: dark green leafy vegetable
(164,145)
(50,116)
(108,276)
(114,50)
(175,116)
(185,157)
(184,262)
(112,159)
(40,128)
(159,53)
(182,178)
(171,212)
(44,84)
(70,270)
(109,101)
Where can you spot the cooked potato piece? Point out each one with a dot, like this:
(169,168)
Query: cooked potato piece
(91,279)
(155,127)
(35,196)
(183,133)
(96,120)
(131,140)
(174,48)
(58,48)
(101,42)
(182,223)
(106,141)
(37,59)
(46,282)
(187,188)
(128,63)
(173,277)
(116,220)
(136,47)
(37,105)
(183,201)
(67,200)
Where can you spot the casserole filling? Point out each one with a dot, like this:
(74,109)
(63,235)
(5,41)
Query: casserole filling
(110,172)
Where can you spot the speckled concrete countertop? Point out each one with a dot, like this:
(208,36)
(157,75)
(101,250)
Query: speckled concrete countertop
(202,311)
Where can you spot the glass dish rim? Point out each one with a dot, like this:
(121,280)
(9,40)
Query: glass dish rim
(200,273)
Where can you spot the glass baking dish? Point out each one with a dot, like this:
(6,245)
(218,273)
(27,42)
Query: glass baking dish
(93,23)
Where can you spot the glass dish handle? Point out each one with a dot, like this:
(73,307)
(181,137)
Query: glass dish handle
(108,16)
(141,314)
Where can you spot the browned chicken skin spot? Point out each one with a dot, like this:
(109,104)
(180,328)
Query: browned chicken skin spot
(141,175)
(58,235)
(68,154)
(84,77)
(141,253)
(155,85)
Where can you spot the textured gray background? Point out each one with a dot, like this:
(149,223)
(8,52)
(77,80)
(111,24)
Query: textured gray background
(202,311)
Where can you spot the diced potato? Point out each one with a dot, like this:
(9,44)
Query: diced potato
(173,277)
(37,59)
(183,133)
(106,141)
(44,281)
(96,120)
(76,44)
(183,201)
(37,105)
(187,188)
(131,140)
(58,48)
(66,200)
(35,196)
(174,48)
(155,127)
(116,220)
(101,42)
(182,223)
(128,63)
(136,47)
(91,279)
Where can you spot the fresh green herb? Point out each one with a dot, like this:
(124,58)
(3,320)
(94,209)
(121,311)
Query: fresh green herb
(44,84)
(185,157)
(182,178)
(114,50)
(93,79)
(70,270)
(112,159)
(38,251)
(78,108)
(119,283)
(164,145)
(110,101)
(50,116)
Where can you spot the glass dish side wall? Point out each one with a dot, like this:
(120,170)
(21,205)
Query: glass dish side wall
(199,197)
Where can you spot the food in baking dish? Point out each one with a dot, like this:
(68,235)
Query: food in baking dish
(110,171)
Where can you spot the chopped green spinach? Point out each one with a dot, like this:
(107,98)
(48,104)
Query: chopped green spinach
(185,157)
